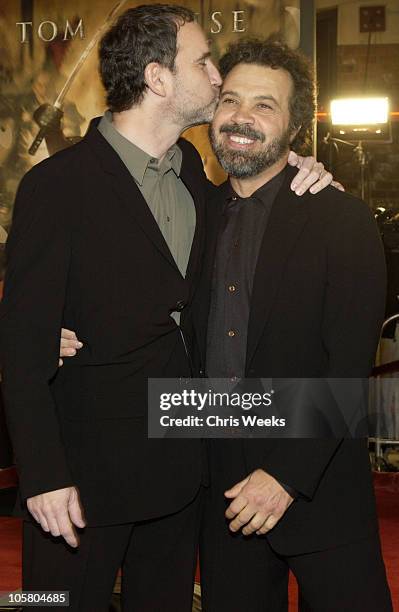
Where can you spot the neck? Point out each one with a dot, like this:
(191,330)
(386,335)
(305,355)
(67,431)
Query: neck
(147,129)
(247,186)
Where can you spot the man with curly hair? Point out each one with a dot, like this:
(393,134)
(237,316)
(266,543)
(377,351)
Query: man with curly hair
(292,291)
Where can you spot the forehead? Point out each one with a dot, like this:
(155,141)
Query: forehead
(191,40)
(251,81)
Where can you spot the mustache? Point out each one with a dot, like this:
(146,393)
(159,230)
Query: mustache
(242,130)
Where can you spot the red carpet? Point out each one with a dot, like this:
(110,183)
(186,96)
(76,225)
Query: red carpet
(10,554)
(387,491)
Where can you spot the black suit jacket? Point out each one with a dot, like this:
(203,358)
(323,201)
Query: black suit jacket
(86,253)
(316,310)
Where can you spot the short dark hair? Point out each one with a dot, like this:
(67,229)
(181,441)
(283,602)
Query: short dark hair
(141,35)
(274,54)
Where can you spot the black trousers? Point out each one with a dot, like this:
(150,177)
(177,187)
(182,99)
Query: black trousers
(241,574)
(158,560)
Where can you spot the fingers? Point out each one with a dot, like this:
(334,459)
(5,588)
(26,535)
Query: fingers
(302,174)
(255,524)
(260,504)
(51,511)
(269,523)
(236,507)
(37,515)
(307,177)
(76,513)
(69,344)
(337,185)
(309,163)
(68,334)
(67,530)
(53,525)
(42,520)
(294,159)
(242,518)
(324,180)
(67,351)
(234,491)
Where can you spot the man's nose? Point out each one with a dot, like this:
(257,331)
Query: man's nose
(214,75)
(242,115)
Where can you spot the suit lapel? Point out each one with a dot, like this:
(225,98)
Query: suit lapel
(214,215)
(287,219)
(127,191)
(135,204)
(196,188)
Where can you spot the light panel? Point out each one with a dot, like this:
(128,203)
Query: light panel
(359,111)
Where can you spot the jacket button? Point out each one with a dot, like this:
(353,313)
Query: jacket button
(180,305)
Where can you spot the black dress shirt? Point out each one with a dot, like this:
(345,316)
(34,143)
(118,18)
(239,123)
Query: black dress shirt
(243,225)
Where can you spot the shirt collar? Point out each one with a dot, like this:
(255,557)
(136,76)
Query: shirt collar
(135,159)
(262,194)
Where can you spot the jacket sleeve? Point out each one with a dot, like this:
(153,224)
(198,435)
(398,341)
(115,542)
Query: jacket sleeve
(37,256)
(353,315)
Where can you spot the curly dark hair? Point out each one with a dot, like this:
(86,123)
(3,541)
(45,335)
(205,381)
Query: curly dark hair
(274,54)
(141,35)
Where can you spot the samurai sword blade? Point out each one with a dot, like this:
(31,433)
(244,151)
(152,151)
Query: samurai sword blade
(86,53)
(60,98)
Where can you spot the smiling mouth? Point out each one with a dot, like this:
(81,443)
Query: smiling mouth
(240,141)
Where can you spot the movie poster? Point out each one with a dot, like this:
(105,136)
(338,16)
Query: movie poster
(48,56)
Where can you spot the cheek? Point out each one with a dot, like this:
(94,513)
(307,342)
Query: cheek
(221,116)
(272,127)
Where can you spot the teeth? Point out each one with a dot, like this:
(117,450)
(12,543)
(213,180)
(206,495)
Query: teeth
(241,140)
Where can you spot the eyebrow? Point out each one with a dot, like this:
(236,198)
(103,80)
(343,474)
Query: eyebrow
(237,95)
(203,56)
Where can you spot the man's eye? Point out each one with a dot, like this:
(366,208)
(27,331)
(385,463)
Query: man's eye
(228,101)
(264,106)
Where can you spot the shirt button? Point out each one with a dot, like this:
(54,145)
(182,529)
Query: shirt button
(231,333)
(232,288)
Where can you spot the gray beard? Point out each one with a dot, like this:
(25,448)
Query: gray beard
(186,117)
(190,118)
(199,117)
(244,164)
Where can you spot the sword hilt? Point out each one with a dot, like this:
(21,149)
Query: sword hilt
(38,140)
(48,117)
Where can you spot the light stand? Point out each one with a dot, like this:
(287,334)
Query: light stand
(362,160)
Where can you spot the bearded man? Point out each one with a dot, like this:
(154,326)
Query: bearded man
(291,289)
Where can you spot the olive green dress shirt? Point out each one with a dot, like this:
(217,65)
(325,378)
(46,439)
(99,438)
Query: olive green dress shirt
(162,188)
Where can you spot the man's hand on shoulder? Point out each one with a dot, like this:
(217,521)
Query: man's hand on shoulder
(311,175)
(69,344)
(59,512)
(259,502)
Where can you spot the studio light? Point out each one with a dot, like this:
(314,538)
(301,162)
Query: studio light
(361,119)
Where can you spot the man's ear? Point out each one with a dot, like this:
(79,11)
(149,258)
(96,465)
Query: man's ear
(155,78)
